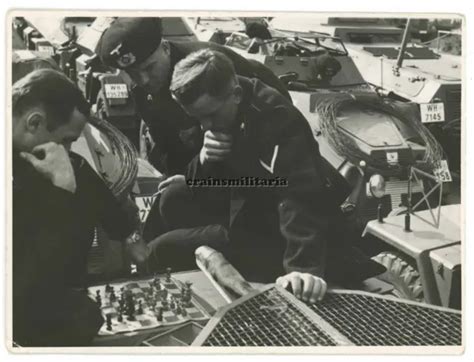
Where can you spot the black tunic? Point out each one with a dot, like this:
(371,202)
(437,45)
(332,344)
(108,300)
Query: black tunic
(52,234)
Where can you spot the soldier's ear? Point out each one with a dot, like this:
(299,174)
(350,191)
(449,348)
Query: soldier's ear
(165,47)
(34,121)
(238,94)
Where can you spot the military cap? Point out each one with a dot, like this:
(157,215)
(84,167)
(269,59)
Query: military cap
(129,41)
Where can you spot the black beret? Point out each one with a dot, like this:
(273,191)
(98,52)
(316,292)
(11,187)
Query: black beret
(129,41)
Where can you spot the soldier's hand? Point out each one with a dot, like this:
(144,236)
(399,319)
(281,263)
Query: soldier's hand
(307,287)
(216,147)
(137,249)
(168,181)
(53,162)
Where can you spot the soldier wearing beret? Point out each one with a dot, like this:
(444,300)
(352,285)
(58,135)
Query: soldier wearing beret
(136,46)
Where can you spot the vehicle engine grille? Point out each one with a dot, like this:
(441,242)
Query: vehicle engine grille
(274,317)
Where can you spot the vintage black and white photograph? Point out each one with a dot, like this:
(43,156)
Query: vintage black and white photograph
(225,181)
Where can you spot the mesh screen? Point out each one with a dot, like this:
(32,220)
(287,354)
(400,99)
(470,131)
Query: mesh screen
(271,319)
(267,319)
(372,321)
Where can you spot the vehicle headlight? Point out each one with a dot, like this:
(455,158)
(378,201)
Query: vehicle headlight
(377,186)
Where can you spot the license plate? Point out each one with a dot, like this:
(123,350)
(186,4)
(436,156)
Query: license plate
(442,172)
(392,158)
(116,91)
(144,206)
(46,49)
(432,112)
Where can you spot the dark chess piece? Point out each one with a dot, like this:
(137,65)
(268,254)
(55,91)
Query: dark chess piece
(120,316)
(131,310)
(178,309)
(108,288)
(159,314)
(140,307)
(184,313)
(98,299)
(168,275)
(172,304)
(109,321)
(113,297)
(164,303)
(187,299)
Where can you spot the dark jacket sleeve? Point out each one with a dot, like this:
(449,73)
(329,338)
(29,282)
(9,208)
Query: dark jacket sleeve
(303,206)
(41,241)
(177,136)
(119,217)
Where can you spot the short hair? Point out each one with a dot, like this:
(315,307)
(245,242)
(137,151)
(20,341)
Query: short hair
(52,91)
(25,62)
(203,72)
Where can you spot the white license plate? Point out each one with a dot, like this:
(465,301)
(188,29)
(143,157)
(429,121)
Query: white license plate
(115,91)
(392,158)
(432,112)
(442,172)
(46,49)
(144,206)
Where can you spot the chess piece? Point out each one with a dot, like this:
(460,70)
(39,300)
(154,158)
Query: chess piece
(108,288)
(113,297)
(164,303)
(130,309)
(98,299)
(172,304)
(184,313)
(164,295)
(187,298)
(109,321)
(120,316)
(178,309)
(159,314)
(168,275)
(140,307)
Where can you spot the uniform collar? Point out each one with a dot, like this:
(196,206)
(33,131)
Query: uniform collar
(247,105)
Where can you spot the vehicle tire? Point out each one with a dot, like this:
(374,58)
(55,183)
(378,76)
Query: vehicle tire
(401,275)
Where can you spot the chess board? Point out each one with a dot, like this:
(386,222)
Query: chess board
(140,290)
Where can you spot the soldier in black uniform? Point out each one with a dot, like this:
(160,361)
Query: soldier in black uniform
(58,199)
(136,46)
(287,226)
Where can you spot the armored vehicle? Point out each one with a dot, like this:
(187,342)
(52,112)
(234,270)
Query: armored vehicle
(419,74)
